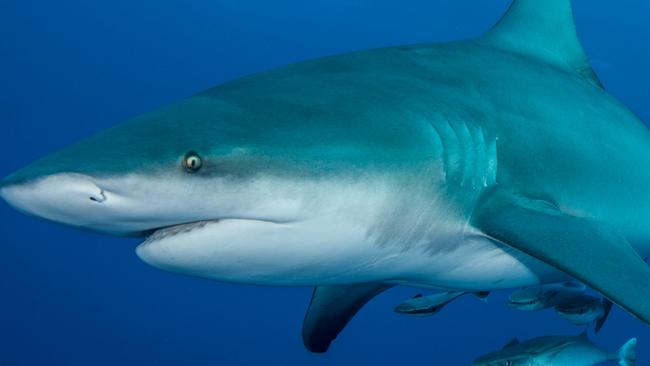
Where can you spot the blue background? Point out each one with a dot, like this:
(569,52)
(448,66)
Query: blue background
(71,68)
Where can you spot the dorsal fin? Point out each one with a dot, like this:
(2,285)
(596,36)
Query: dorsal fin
(543,30)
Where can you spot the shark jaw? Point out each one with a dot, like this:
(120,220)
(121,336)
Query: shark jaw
(266,231)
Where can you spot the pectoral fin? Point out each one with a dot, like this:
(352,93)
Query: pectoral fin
(330,310)
(584,249)
(607,308)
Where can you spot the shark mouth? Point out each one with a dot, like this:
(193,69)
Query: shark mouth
(522,302)
(174,230)
(166,232)
(571,311)
(542,299)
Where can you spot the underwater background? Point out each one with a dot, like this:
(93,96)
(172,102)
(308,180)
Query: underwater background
(70,68)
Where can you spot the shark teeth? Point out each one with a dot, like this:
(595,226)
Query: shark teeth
(171,231)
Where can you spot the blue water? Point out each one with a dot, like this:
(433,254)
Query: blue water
(71,68)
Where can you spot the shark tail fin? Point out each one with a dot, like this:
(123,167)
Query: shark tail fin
(607,306)
(627,353)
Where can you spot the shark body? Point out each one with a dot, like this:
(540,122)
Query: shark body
(487,164)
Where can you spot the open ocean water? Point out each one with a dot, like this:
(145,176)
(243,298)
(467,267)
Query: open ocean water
(71,68)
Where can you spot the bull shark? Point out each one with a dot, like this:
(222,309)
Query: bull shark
(493,163)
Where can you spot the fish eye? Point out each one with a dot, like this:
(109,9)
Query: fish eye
(192,162)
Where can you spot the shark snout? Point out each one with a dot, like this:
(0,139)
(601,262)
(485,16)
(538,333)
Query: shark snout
(123,205)
(3,184)
(68,198)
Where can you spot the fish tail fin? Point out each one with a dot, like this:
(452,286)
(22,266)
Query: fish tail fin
(627,353)
(607,305)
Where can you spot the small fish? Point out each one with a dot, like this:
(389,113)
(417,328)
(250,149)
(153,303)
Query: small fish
(584,309)
(428,305)
(558,351)
(544,296)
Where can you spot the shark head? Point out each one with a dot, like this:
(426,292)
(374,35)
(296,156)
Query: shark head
(229,184)
(581,310)
(167,168)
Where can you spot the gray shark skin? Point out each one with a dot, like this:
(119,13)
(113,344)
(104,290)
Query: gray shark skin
(493,163)
(544,296)
(558,351)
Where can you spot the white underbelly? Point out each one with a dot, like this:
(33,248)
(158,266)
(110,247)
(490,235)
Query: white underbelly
(479,263)
(347,233)
(336,253)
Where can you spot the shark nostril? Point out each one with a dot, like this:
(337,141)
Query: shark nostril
(101,197)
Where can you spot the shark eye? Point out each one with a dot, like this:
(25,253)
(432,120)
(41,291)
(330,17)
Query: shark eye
(192,162)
